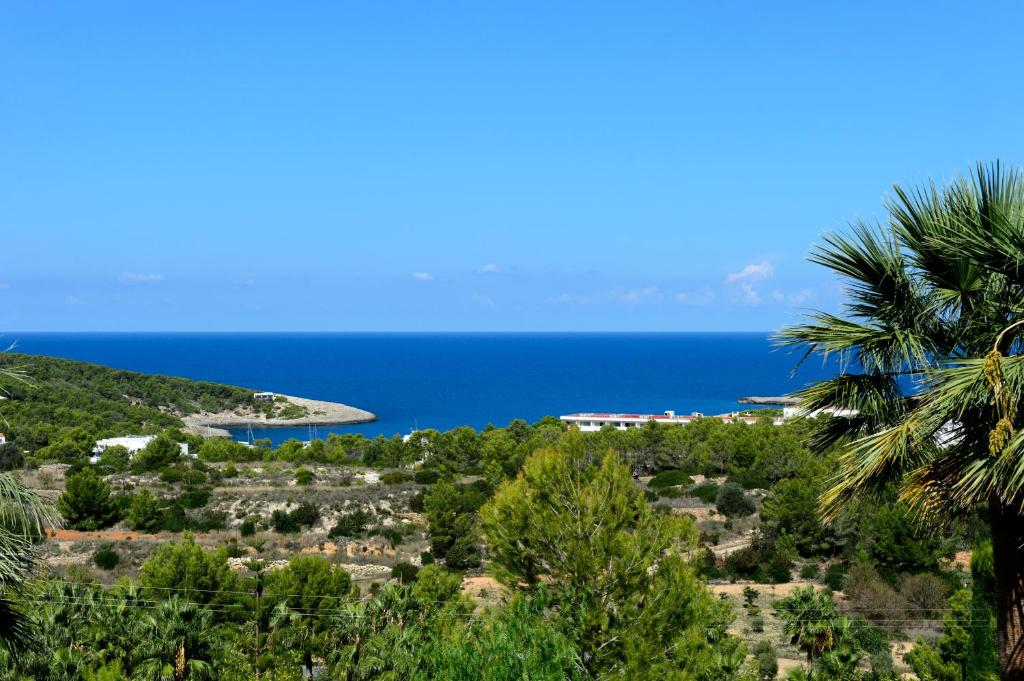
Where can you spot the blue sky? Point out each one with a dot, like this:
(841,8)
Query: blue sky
(470,166)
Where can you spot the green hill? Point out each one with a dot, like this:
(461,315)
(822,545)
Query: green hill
(64,404)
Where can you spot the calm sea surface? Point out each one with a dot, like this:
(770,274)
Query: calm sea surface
(446,380)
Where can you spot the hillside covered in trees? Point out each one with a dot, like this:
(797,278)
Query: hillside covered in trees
(54,402)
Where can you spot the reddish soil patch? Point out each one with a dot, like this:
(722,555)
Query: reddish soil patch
(112,535)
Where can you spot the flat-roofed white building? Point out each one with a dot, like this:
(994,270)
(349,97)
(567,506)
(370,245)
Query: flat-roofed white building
(133,443)
(589,422)
(799,412)
(263,397)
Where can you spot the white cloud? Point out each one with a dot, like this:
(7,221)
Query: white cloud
(490,268)
(752,272)
(619,294)
(422,276)
(140,278)
(704,296)
(749,295)
(794,297)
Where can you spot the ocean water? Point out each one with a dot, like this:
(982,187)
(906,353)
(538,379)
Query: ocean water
(441,380)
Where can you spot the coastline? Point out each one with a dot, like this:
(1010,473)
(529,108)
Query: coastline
(318,413)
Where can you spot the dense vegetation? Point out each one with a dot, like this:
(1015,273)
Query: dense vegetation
(62,407)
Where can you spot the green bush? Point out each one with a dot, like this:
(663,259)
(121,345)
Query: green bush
(86,503)
(396,478)
(249,526)
(303,477)
(426,476)
(193,477)
(835,576)
(10,457)
(404,572)
(351,524)
(733,502)
(305,515)
(195,497)
(172,475)
(464,554)
(670,478)
(283,523)
(106,558)
(706,492)
(809,571)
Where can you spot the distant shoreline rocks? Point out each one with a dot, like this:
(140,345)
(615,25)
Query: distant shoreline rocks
(316,413)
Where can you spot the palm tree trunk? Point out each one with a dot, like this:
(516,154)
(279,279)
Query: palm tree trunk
(1008,552)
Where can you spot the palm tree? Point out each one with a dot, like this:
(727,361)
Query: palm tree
(24,516)
(929,344)
(811,621)
(297,631)
(176,643)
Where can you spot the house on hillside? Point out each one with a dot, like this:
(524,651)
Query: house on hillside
(133,443)
(263,397)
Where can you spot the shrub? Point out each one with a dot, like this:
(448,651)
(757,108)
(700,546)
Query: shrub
(249,526)
(230,471)
(172,475)
(926,593)
(766,660)
(809,571)
(283,522)
(404,572)
(706,492)
(10,457)
(351,524)
(426,558)
(193,477)
(750,595)
(160,453)
(416,502)
(306,515)
(303,477)
(144,513)
(106,558)
(426,476)
(463,554)
(757,624)
(86,503)
(208,521)
(733,502)
(195,497)
(396,478)
(670,492)
(871,596)
(670,478)
(835,576)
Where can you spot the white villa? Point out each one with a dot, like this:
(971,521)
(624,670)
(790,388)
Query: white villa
(263,397)
(589,422)
(133,443)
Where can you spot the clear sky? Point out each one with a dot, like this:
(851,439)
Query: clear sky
(471,166)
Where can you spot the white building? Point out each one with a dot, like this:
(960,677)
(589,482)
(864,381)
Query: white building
(789,413)
(591,422)
(263,397)
(133,443)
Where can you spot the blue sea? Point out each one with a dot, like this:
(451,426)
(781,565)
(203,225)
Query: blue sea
(444,380)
